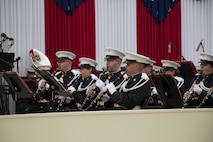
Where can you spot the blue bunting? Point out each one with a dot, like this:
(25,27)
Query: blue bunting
(69,5)
(159,8)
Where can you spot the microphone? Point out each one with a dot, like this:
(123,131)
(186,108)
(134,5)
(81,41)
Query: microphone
(4,35)
(17,59)
(11,42)
(169,47)
(10,39)
(199,45)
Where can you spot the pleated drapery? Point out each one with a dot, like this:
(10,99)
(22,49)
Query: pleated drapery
(75,33)
(115,27)
(153,39)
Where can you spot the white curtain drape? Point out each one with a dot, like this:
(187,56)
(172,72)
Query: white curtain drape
(197,21)
(23,20)
(115,27)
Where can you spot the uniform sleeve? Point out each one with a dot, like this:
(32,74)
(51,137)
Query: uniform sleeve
(132,98)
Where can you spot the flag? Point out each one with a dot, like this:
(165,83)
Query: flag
(69,5)
(159,8)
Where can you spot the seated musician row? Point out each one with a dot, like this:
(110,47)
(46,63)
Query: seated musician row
(135,85)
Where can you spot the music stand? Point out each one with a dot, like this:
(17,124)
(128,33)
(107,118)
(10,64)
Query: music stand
(17,85)
(6,61)
(168,91)
(32,83)
(187,71)
(57,87)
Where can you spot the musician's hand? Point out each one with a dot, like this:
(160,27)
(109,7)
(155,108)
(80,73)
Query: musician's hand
(68,100)
(111,88)
(105,98)
(186,95)
(100,84)
(154,91)
(197,89)
(71,89)
(42,84)
(90,90)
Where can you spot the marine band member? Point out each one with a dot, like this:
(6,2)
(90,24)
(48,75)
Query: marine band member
(203,84)
(113,63)
(31,79)
(156,69)
(149,66)
(65,74)
(136,89)
(88,78)
(171,68)
(113,71)
(154,98)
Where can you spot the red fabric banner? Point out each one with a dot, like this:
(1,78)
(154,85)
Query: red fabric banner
(75,33)
(153,39)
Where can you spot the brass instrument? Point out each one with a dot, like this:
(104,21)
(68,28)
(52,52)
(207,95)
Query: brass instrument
(39,60)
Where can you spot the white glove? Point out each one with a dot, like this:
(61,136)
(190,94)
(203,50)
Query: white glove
(180,81)
(100,84)
(68,100)
(47,86)
(111,88)
(105,98)
(197,89)
(43,85)
(125,76)
(154,90)
(71,89)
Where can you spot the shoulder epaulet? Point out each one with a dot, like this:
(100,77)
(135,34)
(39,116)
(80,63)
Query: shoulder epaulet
(144,76)
(75,71)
